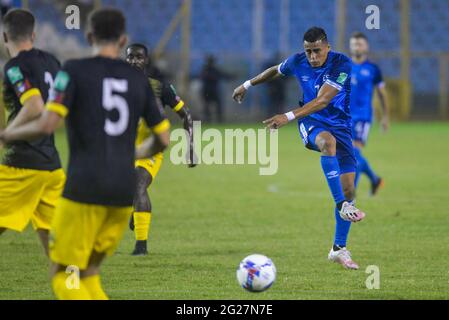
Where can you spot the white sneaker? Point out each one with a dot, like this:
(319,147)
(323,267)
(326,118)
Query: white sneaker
(343,257)
(349,212)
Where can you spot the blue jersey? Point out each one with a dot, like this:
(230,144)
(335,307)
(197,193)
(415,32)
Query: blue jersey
(365,77)
(335,72)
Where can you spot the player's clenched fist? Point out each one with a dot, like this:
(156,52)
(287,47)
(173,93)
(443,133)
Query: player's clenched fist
(239,94)
(276,122)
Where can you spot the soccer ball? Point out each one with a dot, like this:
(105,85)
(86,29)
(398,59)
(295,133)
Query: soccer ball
(256,273)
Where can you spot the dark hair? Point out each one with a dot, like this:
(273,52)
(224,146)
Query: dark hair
(315,34)
(19,24)
(140,46)
(359,35)
(107,24)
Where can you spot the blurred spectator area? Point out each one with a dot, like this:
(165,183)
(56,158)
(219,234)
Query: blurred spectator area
(244,34)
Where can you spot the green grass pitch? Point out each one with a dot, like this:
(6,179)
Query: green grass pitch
(207,219)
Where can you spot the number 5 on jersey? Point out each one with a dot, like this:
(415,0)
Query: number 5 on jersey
(113,101)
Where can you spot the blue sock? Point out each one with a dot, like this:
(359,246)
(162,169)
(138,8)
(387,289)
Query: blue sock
(363,167)
(360,162)
(341,230)
(331,170)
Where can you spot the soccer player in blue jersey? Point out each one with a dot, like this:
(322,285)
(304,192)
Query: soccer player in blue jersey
(324,123)
(365,78)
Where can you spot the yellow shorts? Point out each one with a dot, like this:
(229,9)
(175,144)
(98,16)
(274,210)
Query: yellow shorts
(78,229)
(152,165)
(26,195)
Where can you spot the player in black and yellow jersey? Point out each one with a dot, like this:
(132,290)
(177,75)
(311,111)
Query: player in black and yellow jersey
(102,99)
(31,178)
(147,169)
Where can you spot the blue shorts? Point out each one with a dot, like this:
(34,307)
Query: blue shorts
(360,131)
(310,128)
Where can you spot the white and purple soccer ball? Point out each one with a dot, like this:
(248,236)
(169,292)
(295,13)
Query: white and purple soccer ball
(256,273)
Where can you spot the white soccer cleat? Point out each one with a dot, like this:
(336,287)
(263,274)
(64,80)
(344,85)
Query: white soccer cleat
(349,212)
(343,257)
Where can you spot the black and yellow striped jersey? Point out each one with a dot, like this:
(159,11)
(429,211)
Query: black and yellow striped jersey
(30,73)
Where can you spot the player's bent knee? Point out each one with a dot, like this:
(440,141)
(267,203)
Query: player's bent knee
(327,143)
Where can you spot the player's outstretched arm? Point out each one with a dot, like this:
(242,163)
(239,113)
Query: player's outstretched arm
(325,95)
(153,145)
(31,109)
(267,75)
(45,125)
(385,121)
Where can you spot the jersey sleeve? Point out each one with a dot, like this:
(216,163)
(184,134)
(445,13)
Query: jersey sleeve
(61,96)
(153,114)
(339,75)
(287,67)
(378,78)
(170,98)
(21,79)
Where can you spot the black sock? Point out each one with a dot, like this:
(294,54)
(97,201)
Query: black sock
(336,247)
(340,204)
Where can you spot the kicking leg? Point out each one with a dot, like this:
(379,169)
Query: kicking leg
(142,211)
(342,189)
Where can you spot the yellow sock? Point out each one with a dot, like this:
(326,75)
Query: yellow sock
(142,221)
(93,286)
(62,290)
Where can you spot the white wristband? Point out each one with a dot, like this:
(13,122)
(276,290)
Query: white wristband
(247,85)
(290,116)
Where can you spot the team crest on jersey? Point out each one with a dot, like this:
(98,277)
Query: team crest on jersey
(62,81)
(342,78)
(22,86)
(14,74)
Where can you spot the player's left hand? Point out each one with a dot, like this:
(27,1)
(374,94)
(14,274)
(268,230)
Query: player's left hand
(276,122)
(385,124)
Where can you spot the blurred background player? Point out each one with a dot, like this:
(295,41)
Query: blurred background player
(211,76)
(31,178)
(102,99)
(137,55)
(324,124)
(365,78)
(276,89)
